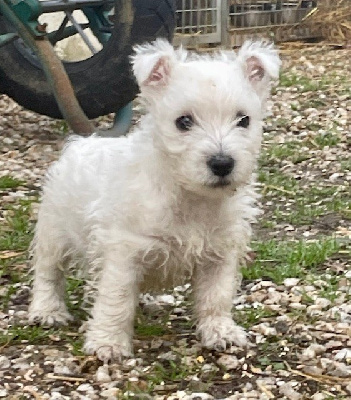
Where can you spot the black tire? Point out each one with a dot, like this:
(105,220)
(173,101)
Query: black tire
(102,83)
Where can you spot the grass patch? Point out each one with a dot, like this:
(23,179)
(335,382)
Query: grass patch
(8,182)
(275,153)
(17,232)
(302,83)
(75,298)
(26,334)
(278,260)
(150,330)
(306,84)
(326,139)
(15,237)
(61,127)
(275,180)
(251,316)
(41,335)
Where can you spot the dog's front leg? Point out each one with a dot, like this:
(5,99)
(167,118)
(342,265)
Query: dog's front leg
(110,329)
(214,288)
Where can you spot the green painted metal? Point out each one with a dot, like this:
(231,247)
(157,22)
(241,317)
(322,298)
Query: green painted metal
(99,22)
(27,12)
(123,120)
(7,38)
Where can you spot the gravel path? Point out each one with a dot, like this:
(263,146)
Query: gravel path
(298,319)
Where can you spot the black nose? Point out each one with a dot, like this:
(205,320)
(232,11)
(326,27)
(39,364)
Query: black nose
(221,165)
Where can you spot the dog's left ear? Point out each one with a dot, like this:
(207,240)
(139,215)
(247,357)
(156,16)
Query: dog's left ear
(261,64)
(153,63)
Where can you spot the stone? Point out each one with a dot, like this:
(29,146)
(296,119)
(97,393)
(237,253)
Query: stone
(288,391)
(198,396)
(4,362)
(343,354)
(291,282)
(312,351)
(109,393)
(102,374)
(85,387)
(229,362)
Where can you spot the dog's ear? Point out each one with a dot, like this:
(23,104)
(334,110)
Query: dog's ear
(153,63)
(261,64)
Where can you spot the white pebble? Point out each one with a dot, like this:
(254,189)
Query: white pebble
(229,362)
(265,329)
(322,302)
(318,396)
(312,351)
(102,374)
(197,396)
(7,140)
(290,282)
(85,387)
(4,362)
(109,393)
(298,306)
(287,390)
(314,310)
(343,354)
(166,299)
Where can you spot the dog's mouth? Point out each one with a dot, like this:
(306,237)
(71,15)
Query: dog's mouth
(220,183)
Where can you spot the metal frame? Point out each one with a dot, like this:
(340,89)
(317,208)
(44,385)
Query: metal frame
(199,21)
(233,21)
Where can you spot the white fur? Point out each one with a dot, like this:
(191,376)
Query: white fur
(146,212)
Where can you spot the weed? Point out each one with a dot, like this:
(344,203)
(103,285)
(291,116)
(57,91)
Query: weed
(278,260)
(16,233)
(252,315)
(8,182)
(302,83)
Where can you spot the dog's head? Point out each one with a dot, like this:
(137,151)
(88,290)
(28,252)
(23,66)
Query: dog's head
(207,110)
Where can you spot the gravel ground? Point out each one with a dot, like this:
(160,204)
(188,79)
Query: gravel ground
(298,319)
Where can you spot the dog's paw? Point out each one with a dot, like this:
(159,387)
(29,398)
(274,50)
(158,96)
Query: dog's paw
(49,318)
(107,352)
(219,333)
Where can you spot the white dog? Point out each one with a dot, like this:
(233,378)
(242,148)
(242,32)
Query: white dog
(174,200)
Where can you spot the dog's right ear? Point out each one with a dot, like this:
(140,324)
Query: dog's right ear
(153,63)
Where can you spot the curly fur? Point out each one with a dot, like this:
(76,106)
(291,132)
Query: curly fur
(146,212)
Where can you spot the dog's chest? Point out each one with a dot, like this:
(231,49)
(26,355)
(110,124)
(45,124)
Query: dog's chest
(183,242)
(197,229)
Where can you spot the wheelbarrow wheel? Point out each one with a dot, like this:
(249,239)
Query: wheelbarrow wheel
(103,83)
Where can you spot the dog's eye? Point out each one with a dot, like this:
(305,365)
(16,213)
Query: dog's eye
(184,123)
(243,120)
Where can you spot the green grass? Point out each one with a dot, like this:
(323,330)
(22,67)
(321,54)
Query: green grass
(17,232)
(61,127)
(302,83)
(150,330)
(17,335)
(251,316)
(8,182)
(305,84)
(278,260)
(273,179)
(15,237)
(296,201)
(326,139)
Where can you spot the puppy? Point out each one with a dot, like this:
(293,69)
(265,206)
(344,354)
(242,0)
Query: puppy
(173,201)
